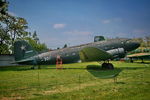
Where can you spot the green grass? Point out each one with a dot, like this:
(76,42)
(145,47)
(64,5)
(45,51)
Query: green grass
(79,81)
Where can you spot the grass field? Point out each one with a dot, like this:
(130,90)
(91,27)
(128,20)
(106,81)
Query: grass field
(79,81)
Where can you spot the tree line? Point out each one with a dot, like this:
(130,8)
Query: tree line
(13,28)
(144,41)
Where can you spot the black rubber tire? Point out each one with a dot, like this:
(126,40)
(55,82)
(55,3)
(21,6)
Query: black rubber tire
(110,66)
(107,66)
(104,66)
(131,61)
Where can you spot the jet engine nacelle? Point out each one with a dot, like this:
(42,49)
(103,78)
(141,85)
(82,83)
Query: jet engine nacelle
(117,53)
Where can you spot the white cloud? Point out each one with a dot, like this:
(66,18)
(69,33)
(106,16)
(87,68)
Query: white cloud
(59,26)
(76,32)
(106,21)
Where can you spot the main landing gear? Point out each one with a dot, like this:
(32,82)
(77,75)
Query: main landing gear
(36,67)
(107,65)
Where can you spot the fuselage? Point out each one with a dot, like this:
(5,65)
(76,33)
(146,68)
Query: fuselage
(116,47)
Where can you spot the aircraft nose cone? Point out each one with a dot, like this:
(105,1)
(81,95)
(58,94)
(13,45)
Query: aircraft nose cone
(132,45)
(136,44)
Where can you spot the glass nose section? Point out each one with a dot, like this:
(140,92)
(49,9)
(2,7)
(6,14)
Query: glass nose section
(135,45)
(131,45)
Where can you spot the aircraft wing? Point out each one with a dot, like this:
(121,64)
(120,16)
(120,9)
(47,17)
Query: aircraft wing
(139,55)
(93,54)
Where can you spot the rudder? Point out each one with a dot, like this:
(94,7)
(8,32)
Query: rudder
(23,50)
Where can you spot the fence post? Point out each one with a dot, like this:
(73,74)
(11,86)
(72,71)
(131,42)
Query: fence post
(39,80)
(79,82)
(115,79)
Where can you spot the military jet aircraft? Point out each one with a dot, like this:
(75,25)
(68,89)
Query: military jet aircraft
(103,50)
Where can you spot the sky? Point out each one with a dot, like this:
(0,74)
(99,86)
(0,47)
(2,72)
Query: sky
(75,22)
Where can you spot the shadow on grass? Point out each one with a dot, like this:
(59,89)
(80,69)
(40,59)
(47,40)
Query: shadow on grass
(120,82)
(142,62)
(23,68)
(16,68)
(88,67)
(27,68)
(98,72)
(133,68)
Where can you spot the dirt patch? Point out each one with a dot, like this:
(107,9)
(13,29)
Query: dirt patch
(12,98)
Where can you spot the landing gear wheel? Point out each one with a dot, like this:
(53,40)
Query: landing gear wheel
(32,67)
(107,66)
(110,66)
(104,66)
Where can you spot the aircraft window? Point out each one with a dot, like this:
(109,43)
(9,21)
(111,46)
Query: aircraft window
(67,54)
(92,44)
(128,41)
(47,58)
(73,53)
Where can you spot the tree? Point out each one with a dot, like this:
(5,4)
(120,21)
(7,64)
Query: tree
(140,40)
(18,28)
(3,7)
(15,28)
(147,38)
(35,43)
(11,27)
(65,46)
(35,37)
(4,36)
(4,41)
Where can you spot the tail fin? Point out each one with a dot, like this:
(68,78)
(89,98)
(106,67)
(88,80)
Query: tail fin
(23,50)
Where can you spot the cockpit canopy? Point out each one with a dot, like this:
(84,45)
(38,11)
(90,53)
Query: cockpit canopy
(98,38)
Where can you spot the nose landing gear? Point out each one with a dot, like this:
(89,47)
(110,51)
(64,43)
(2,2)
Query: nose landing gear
(107,66)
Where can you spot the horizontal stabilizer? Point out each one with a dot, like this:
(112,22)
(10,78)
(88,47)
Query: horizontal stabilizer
(93,54)
(29,60)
